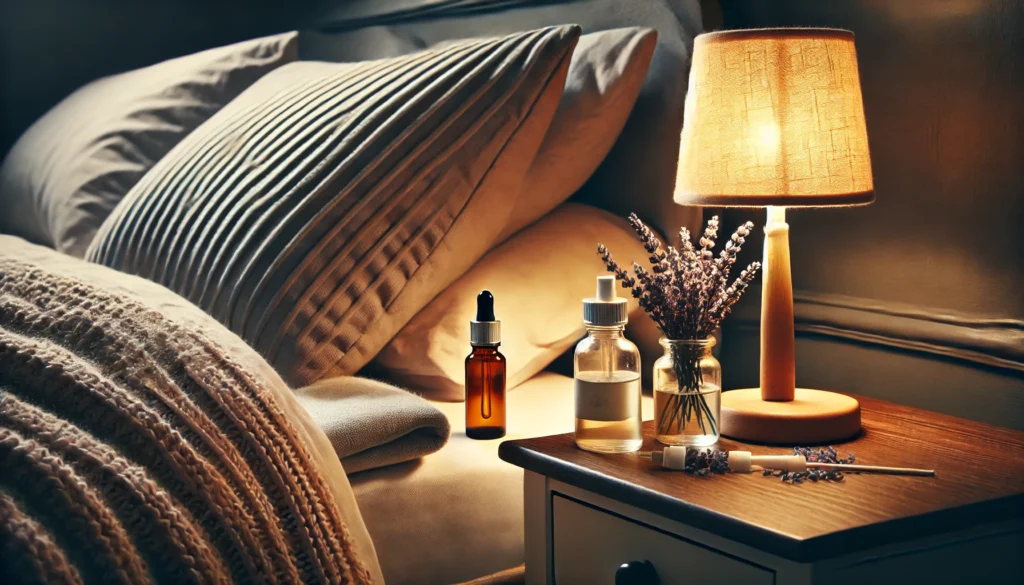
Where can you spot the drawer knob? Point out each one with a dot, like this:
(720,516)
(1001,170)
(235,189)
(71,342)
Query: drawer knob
(637,573)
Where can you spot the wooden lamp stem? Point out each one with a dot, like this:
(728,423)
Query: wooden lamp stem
(778,355)
(778,412)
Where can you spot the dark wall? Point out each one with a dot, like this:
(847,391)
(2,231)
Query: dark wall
(919,297)
(48,48)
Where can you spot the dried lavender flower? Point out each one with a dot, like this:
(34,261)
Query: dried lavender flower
(706,461)
(613,267)
(687,294)
(812,455)
(686,290)
(703,463)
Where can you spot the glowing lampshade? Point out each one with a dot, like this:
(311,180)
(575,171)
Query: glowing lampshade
(774,117)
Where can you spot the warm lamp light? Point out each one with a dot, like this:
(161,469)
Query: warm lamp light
(774,119)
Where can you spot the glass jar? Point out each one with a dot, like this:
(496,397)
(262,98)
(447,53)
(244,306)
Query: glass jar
(687,393)
(607,387)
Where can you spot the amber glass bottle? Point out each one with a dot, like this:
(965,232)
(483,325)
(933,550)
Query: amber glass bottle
(485,374)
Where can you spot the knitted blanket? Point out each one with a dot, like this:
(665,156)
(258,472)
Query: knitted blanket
(132,450)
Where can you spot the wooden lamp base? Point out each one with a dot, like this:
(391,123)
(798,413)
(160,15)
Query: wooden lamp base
(813,417)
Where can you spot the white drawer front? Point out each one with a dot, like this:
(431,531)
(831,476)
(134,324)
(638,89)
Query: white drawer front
(589,545)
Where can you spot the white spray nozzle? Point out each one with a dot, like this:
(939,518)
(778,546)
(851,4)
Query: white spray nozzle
(606,309)
(605,288)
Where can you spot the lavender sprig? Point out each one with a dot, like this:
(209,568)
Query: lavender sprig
(613,267)
(686,290)
(727,298)
(687,293)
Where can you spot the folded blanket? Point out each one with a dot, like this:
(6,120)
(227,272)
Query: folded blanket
(133,449)
(372,424)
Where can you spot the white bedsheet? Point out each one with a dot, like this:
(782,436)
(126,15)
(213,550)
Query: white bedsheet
(458,514)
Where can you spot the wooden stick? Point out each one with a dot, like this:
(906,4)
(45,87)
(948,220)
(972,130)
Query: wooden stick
(872,469)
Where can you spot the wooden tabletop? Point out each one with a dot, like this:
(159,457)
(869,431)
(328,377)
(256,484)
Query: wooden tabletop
(979,479)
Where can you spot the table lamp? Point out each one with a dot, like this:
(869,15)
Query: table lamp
(774,119)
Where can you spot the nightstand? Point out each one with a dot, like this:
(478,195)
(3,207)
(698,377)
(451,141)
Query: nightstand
(587,514)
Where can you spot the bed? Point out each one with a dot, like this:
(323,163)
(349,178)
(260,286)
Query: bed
(457,514)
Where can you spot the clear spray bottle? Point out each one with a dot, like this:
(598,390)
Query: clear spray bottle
(607,377)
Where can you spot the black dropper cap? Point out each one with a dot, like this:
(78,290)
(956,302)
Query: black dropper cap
(485,329)
(485,306)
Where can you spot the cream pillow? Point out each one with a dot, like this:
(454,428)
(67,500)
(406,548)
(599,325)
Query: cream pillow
(539,278)
(325,206)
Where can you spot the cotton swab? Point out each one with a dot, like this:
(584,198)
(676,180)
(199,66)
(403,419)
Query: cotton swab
(744,462)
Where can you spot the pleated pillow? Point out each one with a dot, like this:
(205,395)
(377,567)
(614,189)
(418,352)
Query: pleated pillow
(74,165)
(326,205)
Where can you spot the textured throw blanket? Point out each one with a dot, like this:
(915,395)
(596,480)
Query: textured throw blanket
(133,450)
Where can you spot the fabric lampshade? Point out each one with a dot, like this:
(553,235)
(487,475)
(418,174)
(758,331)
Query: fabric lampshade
(774,117)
